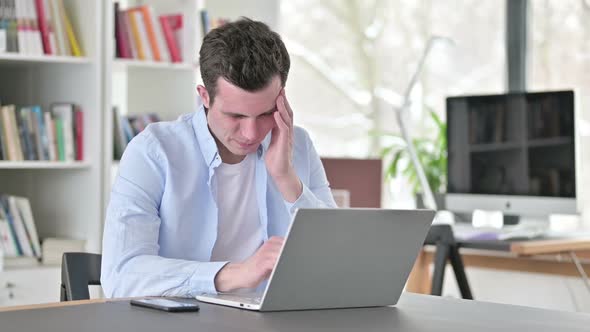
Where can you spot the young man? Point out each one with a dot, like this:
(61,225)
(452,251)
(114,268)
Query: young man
(201,204)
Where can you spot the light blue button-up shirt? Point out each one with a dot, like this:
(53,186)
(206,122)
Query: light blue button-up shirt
(161,222)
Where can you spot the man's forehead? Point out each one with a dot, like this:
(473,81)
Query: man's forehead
(235,100)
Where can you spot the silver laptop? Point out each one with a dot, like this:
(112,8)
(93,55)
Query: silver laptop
(340,258)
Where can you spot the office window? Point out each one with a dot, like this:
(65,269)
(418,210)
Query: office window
(559,33)
(351,58)
(559,58)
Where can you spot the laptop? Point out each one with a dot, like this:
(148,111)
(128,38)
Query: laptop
(339,258)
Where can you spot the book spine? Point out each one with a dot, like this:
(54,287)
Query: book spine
(59,133)
(24,207)
(35,33)
(6,212)
(79,134)
(22,119)
(18,150)
(60,34)
(170,39)
(69,31)
(43,26)
(150,32)
(42,133)
(134,25)
(50,27)
(50,130)
(143,35)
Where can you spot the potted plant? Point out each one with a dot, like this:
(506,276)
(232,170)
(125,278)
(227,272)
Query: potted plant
(432,153)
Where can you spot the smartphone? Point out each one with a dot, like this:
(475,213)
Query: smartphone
(166,305)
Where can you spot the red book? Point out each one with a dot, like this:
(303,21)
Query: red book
(170,39)
(122,35)
(79,133)
(43,26)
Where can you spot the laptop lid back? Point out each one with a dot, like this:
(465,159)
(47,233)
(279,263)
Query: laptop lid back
(340,258)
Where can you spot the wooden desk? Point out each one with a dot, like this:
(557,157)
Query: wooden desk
(414,312)
(539,256)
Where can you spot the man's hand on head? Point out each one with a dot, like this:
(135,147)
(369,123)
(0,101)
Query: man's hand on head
(251,272)
(279,156)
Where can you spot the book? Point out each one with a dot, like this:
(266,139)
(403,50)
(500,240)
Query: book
(20,228)
(63,46)
(150,31)
(51,138)
(64,115)
(170,39)
(69,31)
(159,36)
(34,32)
(26,213)
(3,28)
(11,133)
(79,132)
(136,34)
(7,237)
(42,135)
(50,27)
(122,34)
(43,26)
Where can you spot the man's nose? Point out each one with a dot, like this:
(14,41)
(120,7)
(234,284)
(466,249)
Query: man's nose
(250,129)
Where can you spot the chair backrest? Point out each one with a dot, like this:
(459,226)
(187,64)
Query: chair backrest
(362,178)
(440,234)
(78,270)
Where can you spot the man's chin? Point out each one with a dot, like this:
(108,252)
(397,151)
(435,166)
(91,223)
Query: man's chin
(241,149)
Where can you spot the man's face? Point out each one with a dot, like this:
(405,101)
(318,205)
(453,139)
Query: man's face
(239,119)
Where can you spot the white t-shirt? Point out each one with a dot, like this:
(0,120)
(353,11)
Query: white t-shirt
(239,233)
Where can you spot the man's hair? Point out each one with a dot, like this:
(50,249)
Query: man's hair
(246,53)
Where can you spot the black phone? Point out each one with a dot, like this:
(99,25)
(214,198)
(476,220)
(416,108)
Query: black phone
(166,305)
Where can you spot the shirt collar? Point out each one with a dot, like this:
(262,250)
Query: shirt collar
(207,141)
(204,136)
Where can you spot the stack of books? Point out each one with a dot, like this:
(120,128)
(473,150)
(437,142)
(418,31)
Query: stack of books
(127,127)
(143,35)
(37,27)
(18,234)
(29,133)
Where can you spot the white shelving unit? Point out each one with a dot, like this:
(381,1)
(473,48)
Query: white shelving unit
(44,165)
(65,196)
(10,58)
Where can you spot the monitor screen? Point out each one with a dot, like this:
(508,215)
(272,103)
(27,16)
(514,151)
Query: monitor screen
(512,144)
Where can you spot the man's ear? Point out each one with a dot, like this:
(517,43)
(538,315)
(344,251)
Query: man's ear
(204,94)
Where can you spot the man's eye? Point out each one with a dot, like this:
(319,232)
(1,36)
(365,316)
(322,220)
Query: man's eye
(237,116)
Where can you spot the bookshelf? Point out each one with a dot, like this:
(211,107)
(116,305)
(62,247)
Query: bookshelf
(168,89)
(65,196)
(44,165)
(12,58)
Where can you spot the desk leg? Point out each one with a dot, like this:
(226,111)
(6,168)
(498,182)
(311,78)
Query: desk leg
(419,280)
(580,269)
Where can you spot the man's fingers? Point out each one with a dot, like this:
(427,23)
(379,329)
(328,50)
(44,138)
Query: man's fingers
(280,121)
(287,105)
(282,108)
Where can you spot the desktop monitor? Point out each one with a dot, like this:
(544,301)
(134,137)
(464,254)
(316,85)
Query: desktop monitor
(512,152)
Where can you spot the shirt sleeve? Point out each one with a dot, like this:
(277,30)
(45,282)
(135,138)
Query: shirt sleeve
(317,194)
(131,265)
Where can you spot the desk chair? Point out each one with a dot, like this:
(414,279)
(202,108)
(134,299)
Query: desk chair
(443,238)
(78,270)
